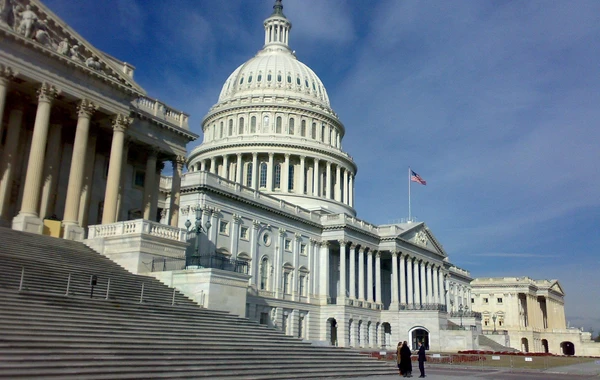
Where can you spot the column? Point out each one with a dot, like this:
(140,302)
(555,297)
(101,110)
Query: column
(123,182)
(149,182)
(429,270)
(254,259)
(285,176)
(324,272)
(213,165)
(338,183)
(402,285)
(51,172)
(7,165)
(88,182)
(441,286)
(345,198)
(394,279)
(235,233)
(202,165)
(370,276)
(155,191)
(72,229)
(238,170)
(300,188)
(316,178)
(6,76)
(176,191)
(436,289)
(377,277)
(352,271)
(28,220)
(120,124)
(254,170)
(361,273)
(351,191)
(270,173)
(423,283)
(342,294)
(225,168)
(410,280)
(328,183)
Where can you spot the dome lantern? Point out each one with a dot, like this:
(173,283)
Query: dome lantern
(277,27)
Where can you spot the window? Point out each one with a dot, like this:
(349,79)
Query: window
(253,124)
(264,274)
(301,287)
(230,127)
(259,78)
(267,239)
(279,77)
(269,77)
(266,123)
(263,174)
(264,318)
(314,131)
(499,299)
(289,78)
(298,81)
(485,301)
(291,178)
(244,233)
(472,300)
(222,130)
(303,128)
(224,227)
(241,80)
(139,177)
(278,125)
(287,244)
(291,127)
(323,133)
(241,126)
(303,249)
(278,175)
(486,321)
(249,174)
(286,282)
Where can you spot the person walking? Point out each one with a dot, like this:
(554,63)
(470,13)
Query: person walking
(405,361)
(422,359)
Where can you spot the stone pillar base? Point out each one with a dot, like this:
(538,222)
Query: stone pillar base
(28,223)
(73,232)
(394,306)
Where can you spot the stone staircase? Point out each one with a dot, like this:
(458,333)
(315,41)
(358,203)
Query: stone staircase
(134,327)
(487,344)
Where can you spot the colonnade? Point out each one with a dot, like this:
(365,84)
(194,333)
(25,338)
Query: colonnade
(43,165)
(415,282)
(284,172)
(458,294)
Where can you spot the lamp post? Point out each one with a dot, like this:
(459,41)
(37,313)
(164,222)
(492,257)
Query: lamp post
(197,227)
(494,319)
(461,310)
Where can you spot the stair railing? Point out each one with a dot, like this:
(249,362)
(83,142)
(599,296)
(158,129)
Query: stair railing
(22,277)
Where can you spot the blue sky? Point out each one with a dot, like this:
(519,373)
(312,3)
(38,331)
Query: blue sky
(494,103)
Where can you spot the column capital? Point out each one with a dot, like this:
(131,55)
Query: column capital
(378,254)
(324,243)
(256,224)
(254,154)
(86,108)
(239,155)
(313,241)
(287,156)
(361,249)
(353,245)
(47,92)
(7,74)
(282,231)
(153,150)
(342,242)
(236,218)
(302,157)
(271,154)
(121,122)
(394,254)
(178,162)
(298,236)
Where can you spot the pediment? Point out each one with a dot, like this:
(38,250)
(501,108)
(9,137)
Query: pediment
(557,288)
(420,236)
(31,21)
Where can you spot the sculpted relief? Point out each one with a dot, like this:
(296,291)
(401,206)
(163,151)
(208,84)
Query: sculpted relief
(421,238)
(25,19)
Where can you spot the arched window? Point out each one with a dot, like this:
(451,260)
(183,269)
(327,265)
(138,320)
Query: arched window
(249,174)
(269,77)
(291,178)
(264,274)
(250,79)
(278,125)
(241,126)
(222,130)
(241,80)
(289,78)
(230,127)
(259,78)
(298,81)
(291,127)
(279,77)
(323,133)
(263,174)
(303,128)
(253,124)
(278,175)
(314,131)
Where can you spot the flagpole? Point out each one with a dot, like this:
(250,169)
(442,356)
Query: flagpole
(409,194)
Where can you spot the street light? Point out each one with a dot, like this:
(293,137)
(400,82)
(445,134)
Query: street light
(462,309)
(494,319)
(198,227)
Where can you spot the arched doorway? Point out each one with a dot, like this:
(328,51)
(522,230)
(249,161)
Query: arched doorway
(524,345)
(332,331)
(567,348)
(419,335)
(359,337)
(545,345)
(387,335)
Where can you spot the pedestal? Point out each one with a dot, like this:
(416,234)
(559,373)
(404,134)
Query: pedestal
(28,223)
(73,232)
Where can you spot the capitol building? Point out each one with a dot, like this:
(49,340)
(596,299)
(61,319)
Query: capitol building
(263,223)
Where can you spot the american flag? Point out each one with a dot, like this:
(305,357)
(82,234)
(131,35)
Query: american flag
(417,178)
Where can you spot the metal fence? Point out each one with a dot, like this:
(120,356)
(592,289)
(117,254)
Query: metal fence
(199,261)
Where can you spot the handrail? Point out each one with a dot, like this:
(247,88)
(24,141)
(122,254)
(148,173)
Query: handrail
(199,261)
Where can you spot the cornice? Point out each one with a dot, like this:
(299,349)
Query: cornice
(142,115)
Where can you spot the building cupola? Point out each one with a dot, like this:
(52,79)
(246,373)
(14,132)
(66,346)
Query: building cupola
(277,28)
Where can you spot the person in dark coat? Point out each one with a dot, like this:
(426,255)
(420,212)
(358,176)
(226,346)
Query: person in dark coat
(405,361)
(422,359)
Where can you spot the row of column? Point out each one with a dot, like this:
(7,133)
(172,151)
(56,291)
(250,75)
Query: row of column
(327,180)
(458,294)
(36,194)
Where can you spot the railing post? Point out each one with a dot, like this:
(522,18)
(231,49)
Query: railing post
(107,289)
(68,285)
(173,300)
(152,269)
(22,277)
(142,294)
(164,264)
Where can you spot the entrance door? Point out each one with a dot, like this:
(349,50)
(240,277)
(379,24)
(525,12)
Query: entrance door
(420,335)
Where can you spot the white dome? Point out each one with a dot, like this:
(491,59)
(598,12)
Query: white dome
(275,71)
